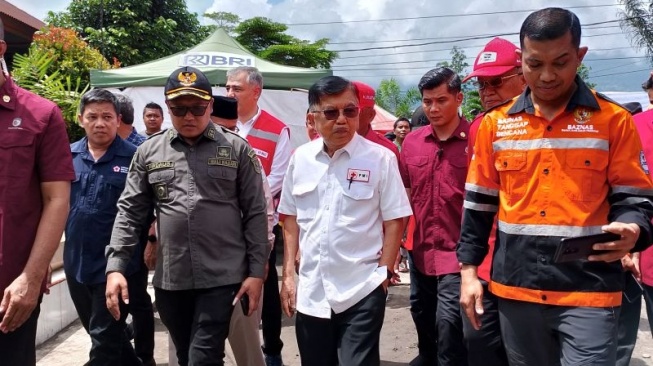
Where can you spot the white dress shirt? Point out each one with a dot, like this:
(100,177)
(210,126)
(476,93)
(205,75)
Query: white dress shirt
(281,157)
(340,203)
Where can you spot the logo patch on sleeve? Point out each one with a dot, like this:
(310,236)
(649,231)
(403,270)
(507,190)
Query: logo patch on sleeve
(642,162)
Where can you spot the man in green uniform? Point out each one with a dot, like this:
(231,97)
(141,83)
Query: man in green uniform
(205,185)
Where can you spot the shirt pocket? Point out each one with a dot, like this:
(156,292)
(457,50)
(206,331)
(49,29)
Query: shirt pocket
(355,200)
(16,154)
(304,204)
(113,187)
(162,184)
(585,176)
(222,182)
(418,173)
(511,167)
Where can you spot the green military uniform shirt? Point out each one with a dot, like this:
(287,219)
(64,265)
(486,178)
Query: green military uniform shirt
(210,208)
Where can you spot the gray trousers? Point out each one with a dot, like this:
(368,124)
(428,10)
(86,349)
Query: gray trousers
(546,335)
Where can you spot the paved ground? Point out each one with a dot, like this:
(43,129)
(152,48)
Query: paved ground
(398,339)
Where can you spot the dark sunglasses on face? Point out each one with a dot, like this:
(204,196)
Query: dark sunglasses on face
(494,82)
(333,114)
(196,110)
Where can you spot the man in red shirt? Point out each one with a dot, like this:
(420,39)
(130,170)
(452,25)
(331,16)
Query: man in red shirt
(497,70)
(434,165)
(366,103)
(36,169)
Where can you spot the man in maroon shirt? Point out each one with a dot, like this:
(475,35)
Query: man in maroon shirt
(35,173)
(434,165)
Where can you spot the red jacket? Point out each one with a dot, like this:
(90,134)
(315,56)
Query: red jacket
(263,138)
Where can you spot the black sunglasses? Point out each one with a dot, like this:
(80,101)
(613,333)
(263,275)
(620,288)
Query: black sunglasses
(333,114)
(197,110)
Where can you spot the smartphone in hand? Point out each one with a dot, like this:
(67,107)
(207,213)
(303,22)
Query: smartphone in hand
(244,304)
(580,247)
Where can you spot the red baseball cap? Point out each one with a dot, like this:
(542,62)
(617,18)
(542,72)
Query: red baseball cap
(497,58)
(365,94)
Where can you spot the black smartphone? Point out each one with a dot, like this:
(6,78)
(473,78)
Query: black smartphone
(633,290)
(244,304)
(580,247)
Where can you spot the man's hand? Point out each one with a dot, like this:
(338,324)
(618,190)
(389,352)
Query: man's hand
(471,295)
(18,302)
(116,289)
(252,286)
(288,295)
(619,248)
(48,280)
(631,264)
(149,257)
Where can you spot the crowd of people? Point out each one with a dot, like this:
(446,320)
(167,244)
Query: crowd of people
(474,210)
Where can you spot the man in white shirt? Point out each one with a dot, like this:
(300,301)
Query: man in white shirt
(270,140)
(344,205)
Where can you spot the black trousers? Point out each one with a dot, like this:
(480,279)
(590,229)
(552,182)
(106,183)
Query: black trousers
(18,347)
(198,322)
(271,310)
(485,346)
(109,343)
(435,307)
(140,307)
(350,338)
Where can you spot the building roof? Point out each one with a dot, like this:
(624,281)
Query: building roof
(9,10)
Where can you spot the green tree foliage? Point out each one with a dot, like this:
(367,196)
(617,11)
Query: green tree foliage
(69,55)
(390,97)
(225,20)
(267,39)
(133,31)
(458,61)
(636,19)
(584,73)
(31,72)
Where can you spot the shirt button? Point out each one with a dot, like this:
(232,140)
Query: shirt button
(587,163)
(542,213)
(541,258)
(324,230)
(326,207)
(543,297)
(549,128)
(505,163)
(546,171)
(192,149)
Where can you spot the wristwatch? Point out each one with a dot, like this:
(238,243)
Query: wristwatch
(151,238)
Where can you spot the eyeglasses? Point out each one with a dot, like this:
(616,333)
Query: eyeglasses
(196,110)
(495,82)
(333,114)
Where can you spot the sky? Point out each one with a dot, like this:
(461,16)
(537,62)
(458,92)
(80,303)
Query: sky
(379,39)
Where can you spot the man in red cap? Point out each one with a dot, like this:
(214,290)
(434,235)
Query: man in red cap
(366,96)
(498,74)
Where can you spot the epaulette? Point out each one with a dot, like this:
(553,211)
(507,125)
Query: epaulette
(500,104)
(226,130)
(157,133)
(608,99)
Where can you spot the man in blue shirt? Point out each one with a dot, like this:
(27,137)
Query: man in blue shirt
(126,130)
(101,161)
